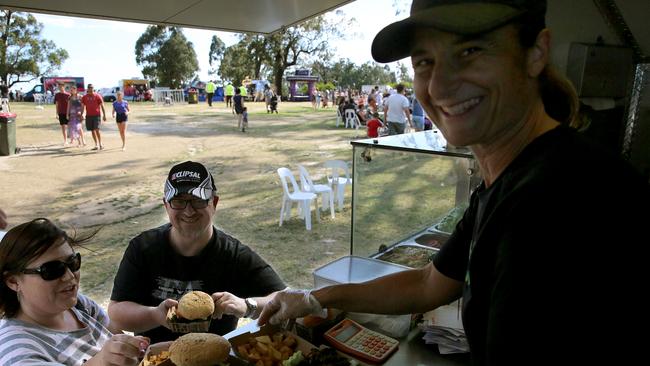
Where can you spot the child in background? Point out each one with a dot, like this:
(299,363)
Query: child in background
(75,116)
(373,125)
(244,122)
(121,113)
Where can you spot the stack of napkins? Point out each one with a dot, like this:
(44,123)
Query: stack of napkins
(444,327)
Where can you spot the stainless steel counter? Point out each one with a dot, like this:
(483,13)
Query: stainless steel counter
(412,350)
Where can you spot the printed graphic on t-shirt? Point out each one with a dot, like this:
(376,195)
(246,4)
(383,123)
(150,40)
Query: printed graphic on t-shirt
(168,288)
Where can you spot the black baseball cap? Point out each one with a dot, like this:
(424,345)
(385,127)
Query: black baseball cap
(464,17)
(189,177)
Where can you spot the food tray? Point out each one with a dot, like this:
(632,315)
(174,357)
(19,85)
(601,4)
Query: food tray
(409,255)
(353,269)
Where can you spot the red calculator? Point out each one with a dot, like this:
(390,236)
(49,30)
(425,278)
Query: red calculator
(358,341)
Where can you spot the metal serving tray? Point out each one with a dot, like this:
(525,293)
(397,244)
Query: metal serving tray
(419,255)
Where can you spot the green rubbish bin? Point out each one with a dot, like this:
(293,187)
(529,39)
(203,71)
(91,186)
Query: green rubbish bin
(7,133)
(192,97)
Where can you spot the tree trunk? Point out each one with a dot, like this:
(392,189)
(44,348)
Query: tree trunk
(4,73)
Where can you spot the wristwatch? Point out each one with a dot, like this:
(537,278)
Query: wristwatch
(251,307)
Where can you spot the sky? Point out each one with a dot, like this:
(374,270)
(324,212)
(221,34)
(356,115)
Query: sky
(102,51)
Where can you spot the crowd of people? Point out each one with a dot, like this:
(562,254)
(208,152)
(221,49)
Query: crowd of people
(71,110)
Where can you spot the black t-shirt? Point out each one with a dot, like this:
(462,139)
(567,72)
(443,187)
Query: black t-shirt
(151,271)
(555,250)
(239,108)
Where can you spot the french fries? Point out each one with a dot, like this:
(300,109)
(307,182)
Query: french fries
(153,360)
(268,350)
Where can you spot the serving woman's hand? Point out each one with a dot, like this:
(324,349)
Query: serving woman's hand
(229,304)
(120,350)
(289,304)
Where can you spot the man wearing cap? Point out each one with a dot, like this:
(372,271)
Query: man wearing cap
(542,280)
(188,253)
(93,103)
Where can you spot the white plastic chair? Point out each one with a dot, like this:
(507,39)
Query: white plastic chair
(351,119)
(302,198)
(336,180)
(339,117)
(324,190)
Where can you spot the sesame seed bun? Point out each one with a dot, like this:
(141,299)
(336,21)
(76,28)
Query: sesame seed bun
(195,305)
(199,349)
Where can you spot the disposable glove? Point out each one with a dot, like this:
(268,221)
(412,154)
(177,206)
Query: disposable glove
(290,304)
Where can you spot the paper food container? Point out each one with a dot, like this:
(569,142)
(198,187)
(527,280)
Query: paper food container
(301,344)
(158,348)
(187,326)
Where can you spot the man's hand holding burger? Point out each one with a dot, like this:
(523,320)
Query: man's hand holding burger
(228,304)
(161,311)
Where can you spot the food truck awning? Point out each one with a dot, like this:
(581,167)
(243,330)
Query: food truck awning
(253,16)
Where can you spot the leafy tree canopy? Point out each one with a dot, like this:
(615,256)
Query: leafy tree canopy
(166,56)
(24,55)
(270,56)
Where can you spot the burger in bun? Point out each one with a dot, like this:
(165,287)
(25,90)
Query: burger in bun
(193,313)
(199,349)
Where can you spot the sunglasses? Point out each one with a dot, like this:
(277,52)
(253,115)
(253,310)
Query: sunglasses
(179,204)
(53,270)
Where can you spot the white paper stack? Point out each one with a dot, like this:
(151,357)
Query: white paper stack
(443,326)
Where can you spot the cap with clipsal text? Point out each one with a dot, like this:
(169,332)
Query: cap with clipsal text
(192,178)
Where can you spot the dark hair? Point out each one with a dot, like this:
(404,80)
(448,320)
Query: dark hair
(237,91)
(21,245)
(558,94)
(399,88)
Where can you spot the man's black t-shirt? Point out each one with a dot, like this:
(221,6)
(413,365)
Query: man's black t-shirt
(551,257)
(151,271)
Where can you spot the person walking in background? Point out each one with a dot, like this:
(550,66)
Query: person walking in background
(209,91)
(239,108)
(396,112)
(94,106)
(268,94)
(61,102)
(229,92)
(243,91)
(121,112)
(74,114)
(417,114)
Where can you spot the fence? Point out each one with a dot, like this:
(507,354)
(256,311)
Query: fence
(168,96)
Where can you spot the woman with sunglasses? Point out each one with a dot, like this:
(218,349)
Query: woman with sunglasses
(45,321)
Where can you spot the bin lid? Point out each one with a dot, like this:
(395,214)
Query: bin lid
(354,269)
(7,115)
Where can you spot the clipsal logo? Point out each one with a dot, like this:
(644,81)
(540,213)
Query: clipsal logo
(184,174)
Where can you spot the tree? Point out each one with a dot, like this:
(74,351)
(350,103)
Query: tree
(346,74)
(217,49)
(23,53)
(255,55)
(404,76)
(310,38)
(166,56)
(235,65)
(246,58)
